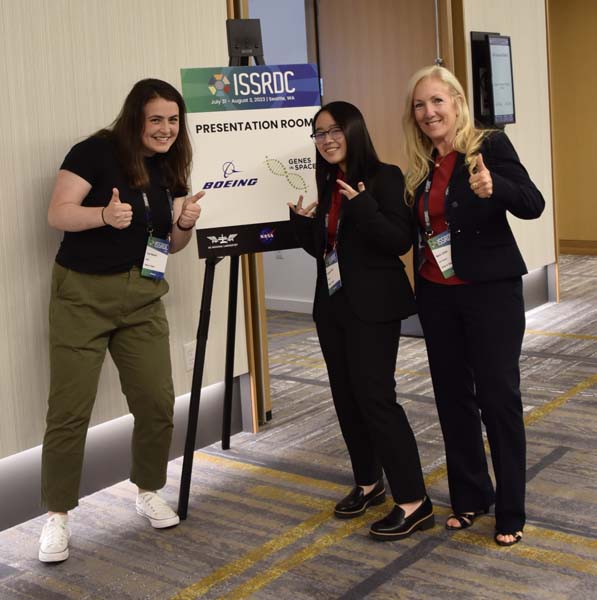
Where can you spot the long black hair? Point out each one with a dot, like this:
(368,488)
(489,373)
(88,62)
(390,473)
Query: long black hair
(361,158)
(127,129)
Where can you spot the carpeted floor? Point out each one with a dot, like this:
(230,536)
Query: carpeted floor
(260,517)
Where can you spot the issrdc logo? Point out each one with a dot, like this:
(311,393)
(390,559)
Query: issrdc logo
(162,246)
(267,235)
(219,85)
(228,170)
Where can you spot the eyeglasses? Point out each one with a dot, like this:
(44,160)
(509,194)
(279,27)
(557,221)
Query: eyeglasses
(335,134)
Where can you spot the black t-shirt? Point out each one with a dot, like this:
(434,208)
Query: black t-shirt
(106,249)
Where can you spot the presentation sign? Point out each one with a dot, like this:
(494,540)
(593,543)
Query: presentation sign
(252,153)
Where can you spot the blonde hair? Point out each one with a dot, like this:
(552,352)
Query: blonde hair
(419,147)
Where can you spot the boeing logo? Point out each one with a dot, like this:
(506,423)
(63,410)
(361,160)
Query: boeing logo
(228,169)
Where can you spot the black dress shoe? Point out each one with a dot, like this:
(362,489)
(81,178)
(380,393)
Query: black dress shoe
(357,502)
(396,526)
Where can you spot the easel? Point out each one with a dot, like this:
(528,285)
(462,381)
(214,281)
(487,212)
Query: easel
(244,40)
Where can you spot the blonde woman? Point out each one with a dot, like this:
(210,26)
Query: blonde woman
(461,183)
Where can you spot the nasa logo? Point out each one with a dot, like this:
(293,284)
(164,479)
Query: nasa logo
(267,235)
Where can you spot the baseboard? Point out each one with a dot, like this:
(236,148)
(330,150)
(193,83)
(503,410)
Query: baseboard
(107,451)
(582,247)
(539,288)
(289,304)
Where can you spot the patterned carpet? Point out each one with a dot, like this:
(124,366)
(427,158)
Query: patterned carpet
(260,523)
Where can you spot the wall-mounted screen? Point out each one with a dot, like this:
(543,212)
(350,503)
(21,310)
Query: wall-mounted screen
(502,86)
(493,86)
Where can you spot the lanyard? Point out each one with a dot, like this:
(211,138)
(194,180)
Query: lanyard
(426,216)
(327,216)
(148,216)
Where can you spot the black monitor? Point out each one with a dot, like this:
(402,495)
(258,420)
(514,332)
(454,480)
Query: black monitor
(493,86)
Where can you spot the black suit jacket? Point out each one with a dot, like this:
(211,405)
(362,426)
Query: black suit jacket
(483,246)
(375,230)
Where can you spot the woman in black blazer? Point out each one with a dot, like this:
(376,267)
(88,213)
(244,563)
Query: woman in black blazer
(357,232)
(461,183)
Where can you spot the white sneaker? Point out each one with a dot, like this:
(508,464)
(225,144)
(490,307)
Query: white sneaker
(160,515)
(53,542)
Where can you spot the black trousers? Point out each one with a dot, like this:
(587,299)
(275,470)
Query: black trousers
(361,360)
(474,337)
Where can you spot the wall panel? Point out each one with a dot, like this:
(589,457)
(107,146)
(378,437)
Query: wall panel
(525,22)
(368,51)
(66,66)
(572,26)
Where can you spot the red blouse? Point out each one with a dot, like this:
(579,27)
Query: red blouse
(334,214)
(444,167)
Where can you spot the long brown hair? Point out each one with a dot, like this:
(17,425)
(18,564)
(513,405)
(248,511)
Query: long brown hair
(128,127)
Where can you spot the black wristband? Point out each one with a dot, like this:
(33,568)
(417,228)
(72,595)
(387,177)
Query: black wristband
(183,228)
(104,220)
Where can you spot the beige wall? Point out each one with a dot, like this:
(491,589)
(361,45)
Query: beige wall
(572,26)
(66,66)
(525,22)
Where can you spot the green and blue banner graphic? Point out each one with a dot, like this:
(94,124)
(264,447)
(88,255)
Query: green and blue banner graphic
(252,153)
(250,88)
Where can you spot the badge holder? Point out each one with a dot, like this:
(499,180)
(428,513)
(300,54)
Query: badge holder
(332,271)
(441,248)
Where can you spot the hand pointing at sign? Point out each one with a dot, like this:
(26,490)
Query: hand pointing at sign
(117,214)
(190,212)
(481,182)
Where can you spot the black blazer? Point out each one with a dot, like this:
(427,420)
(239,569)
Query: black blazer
(375,230)
(483,246)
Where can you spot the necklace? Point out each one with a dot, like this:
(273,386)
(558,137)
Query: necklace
(438,160)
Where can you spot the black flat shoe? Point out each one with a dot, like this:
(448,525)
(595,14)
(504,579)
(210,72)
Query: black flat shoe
(357,502)
(465,519)
(396,526)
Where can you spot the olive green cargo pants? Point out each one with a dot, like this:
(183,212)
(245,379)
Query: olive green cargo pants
(90,314)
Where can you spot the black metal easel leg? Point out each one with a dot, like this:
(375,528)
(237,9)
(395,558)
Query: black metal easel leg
(202,331)
(230,342)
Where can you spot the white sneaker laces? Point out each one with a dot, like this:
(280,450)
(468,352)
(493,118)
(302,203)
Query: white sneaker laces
(155,506)
(54,533)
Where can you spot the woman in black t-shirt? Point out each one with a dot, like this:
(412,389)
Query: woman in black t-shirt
(120,199)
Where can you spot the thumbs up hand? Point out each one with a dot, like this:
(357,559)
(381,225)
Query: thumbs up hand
(190,211)
(480,181)
(117,214)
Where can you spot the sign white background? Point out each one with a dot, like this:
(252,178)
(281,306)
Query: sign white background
(248,150)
